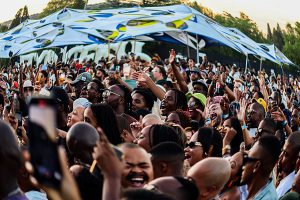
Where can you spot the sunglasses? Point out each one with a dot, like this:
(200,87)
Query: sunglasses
(107,93)
(247,159)
(28,89)
(193,144)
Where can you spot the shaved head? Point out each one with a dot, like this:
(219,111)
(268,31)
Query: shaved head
(81,139)
(210,175)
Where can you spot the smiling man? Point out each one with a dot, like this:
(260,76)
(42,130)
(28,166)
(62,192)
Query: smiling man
(138,169)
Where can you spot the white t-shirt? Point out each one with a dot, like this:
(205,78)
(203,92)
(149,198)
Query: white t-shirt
(285,184)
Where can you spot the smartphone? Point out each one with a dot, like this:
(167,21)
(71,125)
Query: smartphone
(234,106)
(18,116)
(42,141)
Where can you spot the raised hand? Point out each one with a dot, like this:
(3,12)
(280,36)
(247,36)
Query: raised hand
(241,113)
(172,56)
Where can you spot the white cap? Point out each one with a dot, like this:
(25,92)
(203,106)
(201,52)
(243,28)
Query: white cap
(81,102)
(27,83)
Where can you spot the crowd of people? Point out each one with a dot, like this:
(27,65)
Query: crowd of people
(166,129)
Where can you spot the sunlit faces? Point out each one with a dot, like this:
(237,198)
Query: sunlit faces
(89,117)
(168,104)
(194,151)
(138,102)
(77,115)
(138,169)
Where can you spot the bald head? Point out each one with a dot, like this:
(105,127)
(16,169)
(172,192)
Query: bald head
(81,139)
(151,119)
(210,175)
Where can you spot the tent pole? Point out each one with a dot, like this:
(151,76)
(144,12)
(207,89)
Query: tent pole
(118,49)
(246,63)
(187,44)
(108,51)
(134,46)
(260,66)
(86,4)
(197,49)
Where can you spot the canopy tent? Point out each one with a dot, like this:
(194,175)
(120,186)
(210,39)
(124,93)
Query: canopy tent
(177,24)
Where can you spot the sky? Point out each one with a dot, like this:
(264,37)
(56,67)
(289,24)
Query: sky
(261,11)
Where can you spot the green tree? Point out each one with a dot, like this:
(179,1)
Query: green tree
(278,37)
(113,2)
(160,2)
(291,46)
(55,5)
(25,14)
(269,34)
(17,20)
(3,28)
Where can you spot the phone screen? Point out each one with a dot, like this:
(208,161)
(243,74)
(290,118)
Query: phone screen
(42,141)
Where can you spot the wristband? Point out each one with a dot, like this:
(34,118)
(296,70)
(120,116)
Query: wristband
(284,123)
(225,116)
(244,127)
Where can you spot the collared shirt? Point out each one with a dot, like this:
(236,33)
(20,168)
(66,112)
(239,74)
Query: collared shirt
(268,192)
(285,184)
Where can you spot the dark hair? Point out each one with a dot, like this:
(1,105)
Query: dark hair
(159,133)
(210,137)
(99,84)
(184,118)
(238,138)
(260,95)
(138,194)
(271,146)
(169,151)
(294,140)
(162,71)
(106,119)
(180,99)
(127,98)
(61,97)
(148,96)
(270,123)
(45,74)
(2,100)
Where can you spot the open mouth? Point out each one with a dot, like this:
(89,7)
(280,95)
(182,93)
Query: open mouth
(213,116)
(137,181)
(187,156)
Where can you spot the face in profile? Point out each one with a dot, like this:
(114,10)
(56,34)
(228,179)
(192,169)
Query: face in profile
(138,169)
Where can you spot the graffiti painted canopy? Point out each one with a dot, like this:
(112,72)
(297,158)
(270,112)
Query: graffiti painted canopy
(178,24)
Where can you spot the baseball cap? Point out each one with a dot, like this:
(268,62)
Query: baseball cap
(27,83)
(200,81)
(81,102)
(198,96)
(85,77)
(193,70)
(263,103)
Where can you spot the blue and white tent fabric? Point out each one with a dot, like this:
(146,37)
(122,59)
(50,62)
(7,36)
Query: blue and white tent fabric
(178,24)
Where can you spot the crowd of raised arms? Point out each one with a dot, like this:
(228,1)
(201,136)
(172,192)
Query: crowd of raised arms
(136,130)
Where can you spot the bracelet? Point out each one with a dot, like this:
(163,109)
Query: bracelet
(225,116)
(284,123)
(244,127)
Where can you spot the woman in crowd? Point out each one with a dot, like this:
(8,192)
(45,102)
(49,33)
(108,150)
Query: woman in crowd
(207,142)
(102,115)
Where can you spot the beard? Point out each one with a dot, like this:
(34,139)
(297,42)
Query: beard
(27,99)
